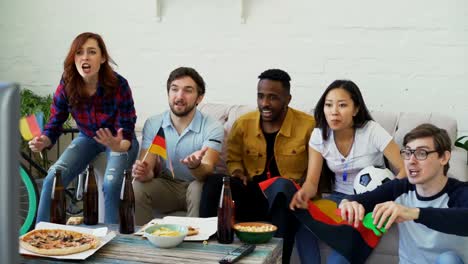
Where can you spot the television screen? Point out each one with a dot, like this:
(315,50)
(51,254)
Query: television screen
(9,172)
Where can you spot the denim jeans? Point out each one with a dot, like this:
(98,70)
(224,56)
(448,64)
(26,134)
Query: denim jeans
(307,243)
(74,160)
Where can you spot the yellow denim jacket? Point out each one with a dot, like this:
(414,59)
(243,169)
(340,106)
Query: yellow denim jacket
(246,145)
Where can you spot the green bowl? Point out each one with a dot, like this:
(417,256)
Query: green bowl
(254,232)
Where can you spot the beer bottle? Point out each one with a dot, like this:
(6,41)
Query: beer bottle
(91,196)
(58,207)
(127,206)
(225,213)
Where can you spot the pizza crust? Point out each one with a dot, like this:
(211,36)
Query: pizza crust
(55,252)
(75,220)
(48,238)
(192,231)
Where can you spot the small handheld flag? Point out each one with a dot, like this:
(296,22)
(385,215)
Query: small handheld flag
(158,146)
(30,126)
(40,120)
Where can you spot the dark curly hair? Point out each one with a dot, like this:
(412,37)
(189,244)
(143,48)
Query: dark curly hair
(277,75)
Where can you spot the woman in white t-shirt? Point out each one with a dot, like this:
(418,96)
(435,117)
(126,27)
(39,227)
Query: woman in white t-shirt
(348,140)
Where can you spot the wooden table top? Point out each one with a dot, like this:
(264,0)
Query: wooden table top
(135,249)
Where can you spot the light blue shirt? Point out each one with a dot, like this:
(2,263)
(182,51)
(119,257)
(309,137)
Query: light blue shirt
(202,131)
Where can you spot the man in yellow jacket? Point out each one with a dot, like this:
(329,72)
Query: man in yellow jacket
(269,142)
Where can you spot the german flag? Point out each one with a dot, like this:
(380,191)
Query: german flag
(158,146)
(321,218)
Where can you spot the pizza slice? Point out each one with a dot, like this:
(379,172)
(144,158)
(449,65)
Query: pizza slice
(192,231)
(57,242)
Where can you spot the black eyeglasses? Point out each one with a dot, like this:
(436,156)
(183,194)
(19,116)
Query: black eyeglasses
(419,154)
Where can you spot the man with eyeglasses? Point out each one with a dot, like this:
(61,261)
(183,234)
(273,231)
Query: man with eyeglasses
(431,209)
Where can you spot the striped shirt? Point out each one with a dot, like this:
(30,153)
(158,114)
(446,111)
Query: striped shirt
(441,225)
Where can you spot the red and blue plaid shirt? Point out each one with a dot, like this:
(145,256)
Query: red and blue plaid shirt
(99,111)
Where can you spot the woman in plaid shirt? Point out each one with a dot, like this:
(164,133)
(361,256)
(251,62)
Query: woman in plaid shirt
(101,103)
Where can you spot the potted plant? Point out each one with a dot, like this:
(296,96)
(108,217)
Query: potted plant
(464,145)
(32,103)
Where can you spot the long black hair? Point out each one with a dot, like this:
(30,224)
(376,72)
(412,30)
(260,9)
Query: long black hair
(362,115)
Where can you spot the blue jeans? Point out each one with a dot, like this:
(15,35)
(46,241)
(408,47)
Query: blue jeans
(74,160)
(307,243)
(449,257)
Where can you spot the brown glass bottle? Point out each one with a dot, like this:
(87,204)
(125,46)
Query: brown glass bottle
(58,206)
(225,214)
(90,198)
(127,206)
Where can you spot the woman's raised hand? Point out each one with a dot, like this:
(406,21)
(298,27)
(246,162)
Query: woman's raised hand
(105,137)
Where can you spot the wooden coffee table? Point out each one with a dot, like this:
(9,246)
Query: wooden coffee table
(135,249)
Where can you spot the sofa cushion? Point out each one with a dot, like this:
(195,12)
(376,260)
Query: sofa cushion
(408,121)
(386,251)
(458,164)
(235,112)
(387,120)
(227,115)
(217,111)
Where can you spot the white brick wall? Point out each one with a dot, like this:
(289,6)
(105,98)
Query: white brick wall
(404,55)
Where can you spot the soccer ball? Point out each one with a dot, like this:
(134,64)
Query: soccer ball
(370,178)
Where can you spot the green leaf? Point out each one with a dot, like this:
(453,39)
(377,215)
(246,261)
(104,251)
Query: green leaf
(32,103)
(459,143)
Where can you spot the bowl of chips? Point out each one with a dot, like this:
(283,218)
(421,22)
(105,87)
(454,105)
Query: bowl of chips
(254,232)
(165,235)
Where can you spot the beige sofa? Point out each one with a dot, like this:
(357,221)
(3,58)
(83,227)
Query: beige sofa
(396,123)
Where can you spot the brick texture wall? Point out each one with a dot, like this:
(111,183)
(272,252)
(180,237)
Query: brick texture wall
(404,55)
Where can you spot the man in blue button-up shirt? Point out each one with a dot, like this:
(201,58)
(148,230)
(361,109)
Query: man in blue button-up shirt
(193,143)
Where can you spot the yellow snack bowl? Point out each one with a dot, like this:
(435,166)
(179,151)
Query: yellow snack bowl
(254,232)
(165,235)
